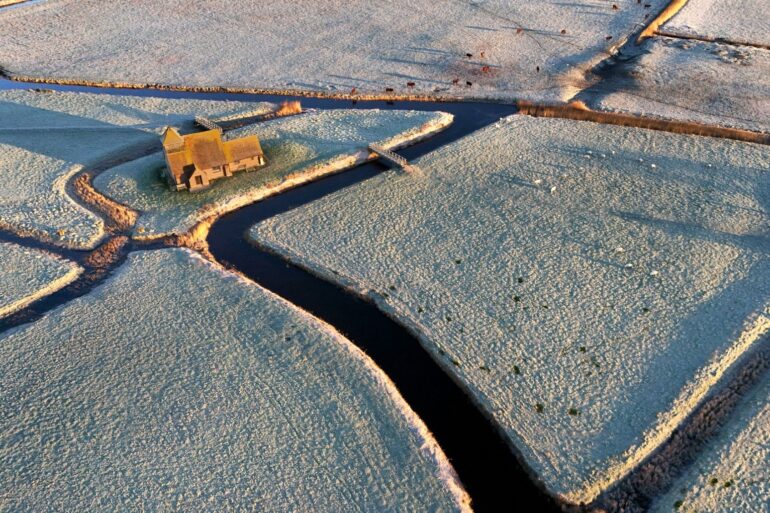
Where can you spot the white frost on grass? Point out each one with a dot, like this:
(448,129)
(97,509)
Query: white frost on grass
(732,474)
(710,83)
(27,275)
(178,386)
(45,138)
(742,21)
(586,356)
(297,148)
(325,46)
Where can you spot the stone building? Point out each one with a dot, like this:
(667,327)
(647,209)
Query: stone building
(194,161)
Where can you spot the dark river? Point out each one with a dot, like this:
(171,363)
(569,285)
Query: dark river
(485,463)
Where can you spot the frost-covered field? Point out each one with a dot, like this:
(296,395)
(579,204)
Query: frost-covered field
(28,274)
(45,138)
(733,472)
(702,81)
(324,46)
(177,386)
(587,283)
(711,83)
(742,21)
(298,149)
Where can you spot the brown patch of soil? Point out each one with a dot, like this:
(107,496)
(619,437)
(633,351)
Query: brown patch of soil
(122,217)
(100,260)
(579,111)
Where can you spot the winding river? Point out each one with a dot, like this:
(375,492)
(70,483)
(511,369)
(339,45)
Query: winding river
(488,468)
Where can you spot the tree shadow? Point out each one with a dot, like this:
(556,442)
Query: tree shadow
(711,328)
(60,135)
(476,27)
(758,243)
(704,337)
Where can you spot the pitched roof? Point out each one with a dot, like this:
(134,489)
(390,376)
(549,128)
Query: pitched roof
(243,148)
(205,149)
(171,138)
(177,161)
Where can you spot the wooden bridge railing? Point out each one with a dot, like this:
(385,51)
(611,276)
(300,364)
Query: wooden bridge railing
(393,158)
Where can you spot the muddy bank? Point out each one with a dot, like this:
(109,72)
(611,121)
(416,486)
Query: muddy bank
(96,265)
(707,39)
(579,112)
(122,217)
(437,96)
(655,476)
(669,12)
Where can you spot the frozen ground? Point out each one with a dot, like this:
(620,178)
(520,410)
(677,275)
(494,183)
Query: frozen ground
(587,283)
(298,149)
(695,81)
(742,21)
(733,471)
(175,386)
(328,46)
(720,84)
(45,138)
(28,274)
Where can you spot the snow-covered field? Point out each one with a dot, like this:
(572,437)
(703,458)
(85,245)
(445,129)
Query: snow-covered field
(175,386)
(518,48)
(708,82)
(588,284)
(298,149)
(711,83)
(742,21)
(28,274)
(733,472)
(45,138)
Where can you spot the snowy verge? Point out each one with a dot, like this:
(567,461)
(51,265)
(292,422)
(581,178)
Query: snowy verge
(732,473)
(27,275)
(739,21)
